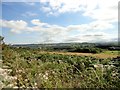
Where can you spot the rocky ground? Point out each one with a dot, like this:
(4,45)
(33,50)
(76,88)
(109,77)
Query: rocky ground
(5,78)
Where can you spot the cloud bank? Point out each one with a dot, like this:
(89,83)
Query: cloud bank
(91,32)
(106,10)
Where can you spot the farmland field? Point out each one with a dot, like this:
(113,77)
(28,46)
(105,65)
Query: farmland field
(106,54)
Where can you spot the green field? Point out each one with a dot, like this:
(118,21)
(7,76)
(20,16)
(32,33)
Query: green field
(115,52)
(46,70)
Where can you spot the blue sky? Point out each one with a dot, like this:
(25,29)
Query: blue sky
(56,21)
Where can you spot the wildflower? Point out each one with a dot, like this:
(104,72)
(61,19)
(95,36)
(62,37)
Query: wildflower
(46,73)
(45,77)
(98,66)
(35,84)
(10,85)
(15,87)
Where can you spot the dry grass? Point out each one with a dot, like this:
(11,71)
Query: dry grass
(100,55)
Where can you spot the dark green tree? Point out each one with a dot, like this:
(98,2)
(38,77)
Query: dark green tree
(1,40)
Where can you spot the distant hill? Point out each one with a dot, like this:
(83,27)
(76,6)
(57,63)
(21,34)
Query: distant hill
(107,45)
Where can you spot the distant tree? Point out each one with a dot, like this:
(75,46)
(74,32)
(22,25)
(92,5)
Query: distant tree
(1,40)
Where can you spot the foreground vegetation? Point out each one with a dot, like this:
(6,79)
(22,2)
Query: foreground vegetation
(33,69)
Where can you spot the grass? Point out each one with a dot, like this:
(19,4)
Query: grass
(115,52)
(103,55)
(54,70)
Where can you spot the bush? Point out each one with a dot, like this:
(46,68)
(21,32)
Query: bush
(88,50)
(60,71)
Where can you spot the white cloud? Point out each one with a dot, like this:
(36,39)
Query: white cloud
(100,25)
(41,26)
(81,27)
(61,6)
(105,10)
(104,14)
(12,23)
(46,9)
(30,3)
(95,25)
(29,14)
(96,9)
(56,33)
(16,26)
(91,37)
(39,23)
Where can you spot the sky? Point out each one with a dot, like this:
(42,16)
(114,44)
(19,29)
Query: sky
(59,21)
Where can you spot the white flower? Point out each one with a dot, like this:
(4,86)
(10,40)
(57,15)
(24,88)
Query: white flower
(15,87)
(10,85)
(53,72)
(45,77)
(35,84)
(98,66)
(46,73)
